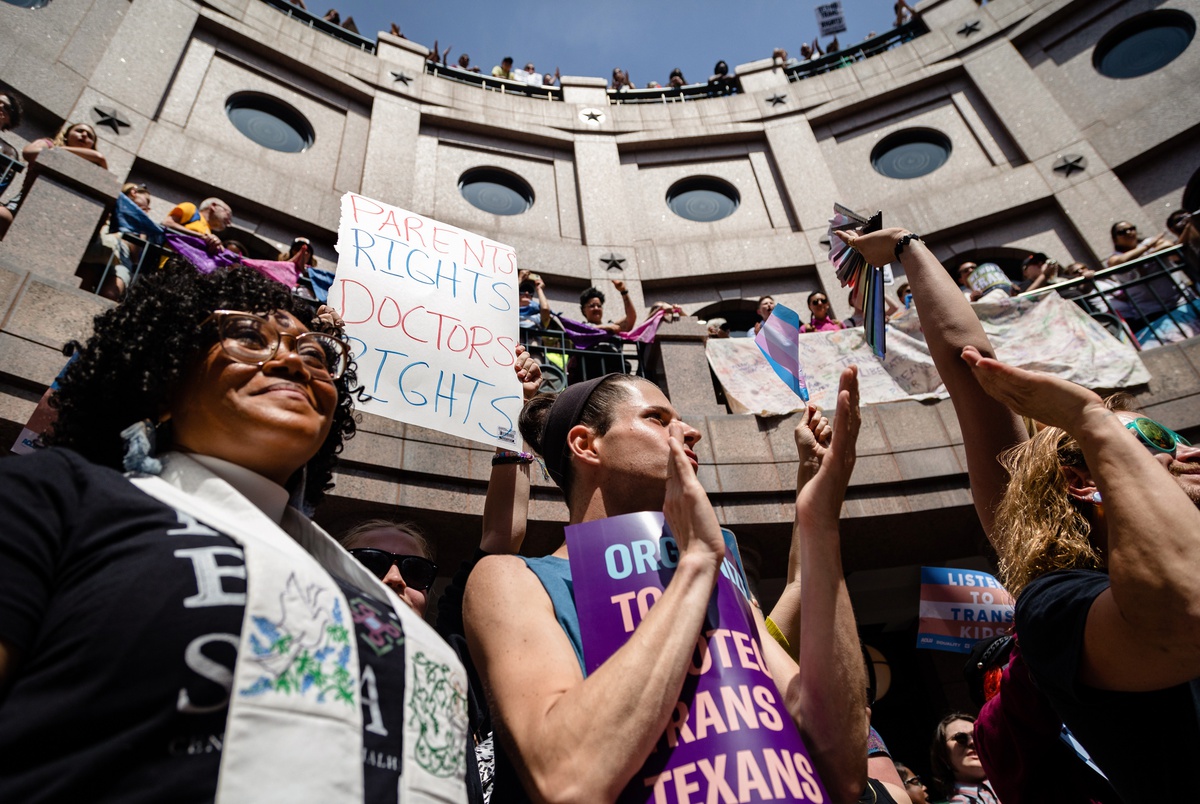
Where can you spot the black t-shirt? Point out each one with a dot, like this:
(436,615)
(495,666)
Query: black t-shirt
(123,617)
(1141,740)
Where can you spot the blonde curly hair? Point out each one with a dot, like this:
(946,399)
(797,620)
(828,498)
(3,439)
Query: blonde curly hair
(1039,526)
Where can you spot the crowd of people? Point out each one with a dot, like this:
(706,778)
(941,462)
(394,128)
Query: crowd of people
(174,625)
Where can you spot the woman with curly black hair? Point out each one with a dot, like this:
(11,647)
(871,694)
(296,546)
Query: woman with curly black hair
(181,632)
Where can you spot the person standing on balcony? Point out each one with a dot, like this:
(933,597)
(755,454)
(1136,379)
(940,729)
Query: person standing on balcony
(10,115)
(77,138)
(503,69)
(1146,299)
(212,216)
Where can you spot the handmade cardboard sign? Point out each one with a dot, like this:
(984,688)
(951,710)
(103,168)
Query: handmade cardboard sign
(431,314)
(731,737)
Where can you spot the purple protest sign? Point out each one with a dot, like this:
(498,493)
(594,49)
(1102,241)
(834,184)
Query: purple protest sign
(731,738)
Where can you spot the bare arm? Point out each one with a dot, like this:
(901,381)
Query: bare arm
(543,303)
(626,323)
(1137,252)
(90,154)
(30,152)
(829,702)
(506,506)
(559,724)
(949,324)
(1143,633)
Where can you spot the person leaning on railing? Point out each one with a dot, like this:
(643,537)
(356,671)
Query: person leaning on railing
(1150,298)
(10,115)
(78,138)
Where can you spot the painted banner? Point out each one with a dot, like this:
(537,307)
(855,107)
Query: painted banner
(431,311)
(731,737)
(960,607)
(1050,334)
(830,19)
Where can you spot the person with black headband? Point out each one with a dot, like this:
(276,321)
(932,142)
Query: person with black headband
(615,445)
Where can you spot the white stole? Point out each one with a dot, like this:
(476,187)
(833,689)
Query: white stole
(300,742)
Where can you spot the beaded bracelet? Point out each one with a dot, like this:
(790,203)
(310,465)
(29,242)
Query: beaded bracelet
(506,457)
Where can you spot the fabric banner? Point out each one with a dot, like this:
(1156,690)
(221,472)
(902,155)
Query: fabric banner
(961,607)
(778,340)
(1050,334)
(731,737)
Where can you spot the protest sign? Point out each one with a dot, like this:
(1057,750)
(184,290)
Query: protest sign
(1049,334)
(830,19)
(731,737)
(961,607)
(431,314)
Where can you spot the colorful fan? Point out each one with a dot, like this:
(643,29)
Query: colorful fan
(866,281)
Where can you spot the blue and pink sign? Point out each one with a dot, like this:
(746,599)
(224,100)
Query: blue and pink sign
(960,607)
(731,738)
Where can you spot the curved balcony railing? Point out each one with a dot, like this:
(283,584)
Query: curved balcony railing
(712,89)
(855,53)
(501,85)
(324,26)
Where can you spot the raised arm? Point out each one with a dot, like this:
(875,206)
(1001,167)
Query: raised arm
(543,303)
(949,325)
(506,506)
(626,323)
(828,701)
(576,739)
(1151,610)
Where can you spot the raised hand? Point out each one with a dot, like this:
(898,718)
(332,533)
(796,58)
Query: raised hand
(687,510)
(529,372)
(877,248)
(619,284)
(812,435)
(1043,397)
(819,502)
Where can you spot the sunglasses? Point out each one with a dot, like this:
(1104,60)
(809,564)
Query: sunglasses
(963,739)
(820,301)
(417,571)
(1155,437)
(1128,230)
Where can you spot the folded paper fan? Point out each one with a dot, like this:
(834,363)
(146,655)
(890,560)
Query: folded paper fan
(854,272)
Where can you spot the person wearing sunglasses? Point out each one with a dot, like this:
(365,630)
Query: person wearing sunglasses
(958,775)
(1098,535)
(398,554)
(822,319)
(173,626)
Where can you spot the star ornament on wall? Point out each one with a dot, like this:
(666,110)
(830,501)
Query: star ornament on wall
(970,28)
(591,116)
(1069,164)
(401,77)
(106,116)
(613,261)
(777,99)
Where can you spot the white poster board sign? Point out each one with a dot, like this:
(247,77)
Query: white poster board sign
(431,314)
(830,19)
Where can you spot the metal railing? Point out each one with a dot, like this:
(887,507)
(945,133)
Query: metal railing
(563,364)
(714,89)
(854,53)
(324,26)
(1148,301)
(501,85)
(10,165)
(141,253)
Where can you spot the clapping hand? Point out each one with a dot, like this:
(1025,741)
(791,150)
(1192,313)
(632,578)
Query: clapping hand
(686,508)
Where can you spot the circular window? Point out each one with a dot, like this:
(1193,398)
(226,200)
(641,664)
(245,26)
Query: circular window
(28,3)
(1144,44)
(496,191)
(703,199)
(911,153)
(270,122)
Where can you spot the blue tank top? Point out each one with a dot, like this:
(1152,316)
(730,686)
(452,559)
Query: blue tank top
(555,575)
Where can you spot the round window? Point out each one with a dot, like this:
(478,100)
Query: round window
(270,122)
(703,199)
(28,3)
(911,153)
(1143,44)
(496,191)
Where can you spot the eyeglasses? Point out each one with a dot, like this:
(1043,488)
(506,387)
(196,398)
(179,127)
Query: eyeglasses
(253,339)
(417,571)
(914,781)
(964,739)
(1155,437)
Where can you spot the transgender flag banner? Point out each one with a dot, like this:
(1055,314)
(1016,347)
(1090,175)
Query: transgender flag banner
(779,340)
(960,607)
